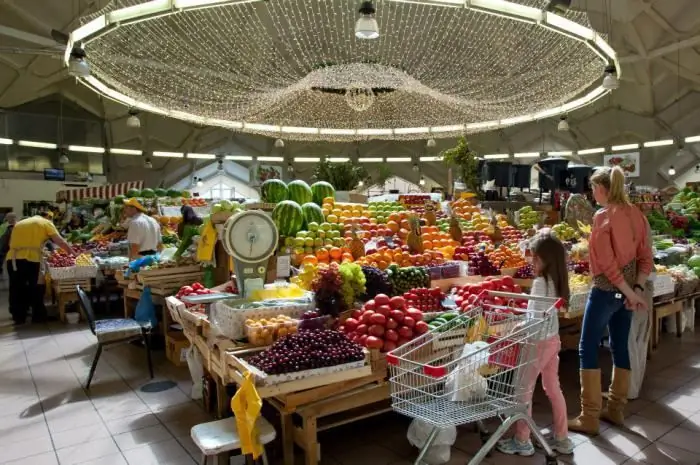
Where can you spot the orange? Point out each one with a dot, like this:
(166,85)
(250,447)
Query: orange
(395,217)
(393,226)
(347,257)
(427,245)
(322,255)
(336,253)
(309,260)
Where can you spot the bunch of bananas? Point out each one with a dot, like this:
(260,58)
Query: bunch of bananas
(306,276)
(84,260)
(579,282)
(660,269)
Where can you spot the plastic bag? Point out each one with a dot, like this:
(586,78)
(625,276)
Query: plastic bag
(139,263)
(465,382)
(145,310)
(439,451)
(194,363)
(167,254)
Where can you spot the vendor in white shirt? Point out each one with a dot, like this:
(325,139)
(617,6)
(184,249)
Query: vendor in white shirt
(144,232)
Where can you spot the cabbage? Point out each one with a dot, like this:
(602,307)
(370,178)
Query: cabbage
(694,261)
(217,208)
(226,205)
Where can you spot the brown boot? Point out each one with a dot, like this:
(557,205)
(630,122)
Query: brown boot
(588,422)
(617,397)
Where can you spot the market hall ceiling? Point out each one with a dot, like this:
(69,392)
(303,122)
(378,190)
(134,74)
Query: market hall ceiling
(657,42)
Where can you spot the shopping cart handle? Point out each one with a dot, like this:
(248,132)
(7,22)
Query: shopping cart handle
(434,372)
(392,359)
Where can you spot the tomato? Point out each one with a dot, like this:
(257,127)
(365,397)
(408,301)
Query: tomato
(408,321)
(417,315)
(369,305)
(197,286)
(398,303)
(391,335)
(391,323)
(421,327)
(397,315)
(374,343)
(405,332)
(376,330)
(351,324)
(361,329)
(384,310)
(382,299)
(388,346)
(367,316)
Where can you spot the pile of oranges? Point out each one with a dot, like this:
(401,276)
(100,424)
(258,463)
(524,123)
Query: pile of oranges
(325,256)
(384,257)
(506,257)
(433,238)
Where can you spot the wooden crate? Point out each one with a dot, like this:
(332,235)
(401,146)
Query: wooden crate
(160,276)
(68,285)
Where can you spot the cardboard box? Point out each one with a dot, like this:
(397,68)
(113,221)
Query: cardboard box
(176,345)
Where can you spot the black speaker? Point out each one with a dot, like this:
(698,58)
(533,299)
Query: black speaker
(521,176)
(553,167)
(579,178)
(499,172)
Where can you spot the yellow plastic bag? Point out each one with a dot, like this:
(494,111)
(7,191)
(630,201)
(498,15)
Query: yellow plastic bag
(246,405)
(207,242)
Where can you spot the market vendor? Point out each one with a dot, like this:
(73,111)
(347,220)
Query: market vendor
(144,232)
(24,258)
(189,218)
(77,222)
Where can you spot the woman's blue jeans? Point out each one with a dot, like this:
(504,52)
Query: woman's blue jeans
(605,308)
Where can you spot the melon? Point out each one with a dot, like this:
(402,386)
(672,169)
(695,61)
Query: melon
(119,199)
(299,192)
(273,191)
(173,194)
(322,190)
(312,213)
(289,218)
(161,192)
(131,193)
(148,193)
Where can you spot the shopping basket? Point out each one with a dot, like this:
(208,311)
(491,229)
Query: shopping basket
(474,367)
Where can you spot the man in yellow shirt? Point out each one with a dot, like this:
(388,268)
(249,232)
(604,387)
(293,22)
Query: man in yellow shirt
(24,265)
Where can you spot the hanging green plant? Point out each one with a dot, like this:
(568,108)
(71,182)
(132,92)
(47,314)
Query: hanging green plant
(342,176)
(466,163)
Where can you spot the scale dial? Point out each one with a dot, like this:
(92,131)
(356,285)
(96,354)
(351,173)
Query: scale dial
(250,236)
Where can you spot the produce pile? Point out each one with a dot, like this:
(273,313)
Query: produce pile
(264,332)
(307,350)
(404,279)
(384,323)
(337,287)
(467,297)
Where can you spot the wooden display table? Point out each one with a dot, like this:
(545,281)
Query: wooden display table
(65,293)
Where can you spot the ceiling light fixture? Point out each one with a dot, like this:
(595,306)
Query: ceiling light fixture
(422,181)
(617,148)
(133,120)
(279,143)
(591,151)
(77,64)
(290,168)
(220,165)
(559,6)
(238,157)
(671,171)
(610,81)
(147,164)
(416,168)
(658,143)
(63,159)
(366,26)
(117,151)
(563,124)
(682,151)
(263,158)
(5,141)
(430,143)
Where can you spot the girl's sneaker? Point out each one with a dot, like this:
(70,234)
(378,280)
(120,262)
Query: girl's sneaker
(514,447)
(563,446)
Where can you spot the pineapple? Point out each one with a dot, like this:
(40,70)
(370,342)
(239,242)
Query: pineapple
(455,230)
(357,247)
(414,242)
(430,218)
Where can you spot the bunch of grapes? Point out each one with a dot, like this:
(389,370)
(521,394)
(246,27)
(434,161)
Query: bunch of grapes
(353,282)
(307,350)
(376,282)
(327,291)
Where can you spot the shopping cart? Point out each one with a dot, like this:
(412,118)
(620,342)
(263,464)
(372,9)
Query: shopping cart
(472,368)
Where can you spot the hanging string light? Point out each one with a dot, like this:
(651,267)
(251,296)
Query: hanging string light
(366,26)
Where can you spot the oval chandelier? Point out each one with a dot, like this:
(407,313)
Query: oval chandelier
(322,70)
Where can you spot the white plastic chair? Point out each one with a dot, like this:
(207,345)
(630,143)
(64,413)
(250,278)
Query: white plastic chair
(221,437)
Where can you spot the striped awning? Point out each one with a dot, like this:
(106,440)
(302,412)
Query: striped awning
(107,191)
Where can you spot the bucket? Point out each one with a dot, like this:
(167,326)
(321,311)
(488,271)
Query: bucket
(73,318)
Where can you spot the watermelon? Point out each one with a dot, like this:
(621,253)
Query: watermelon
(133,193)
(312,213)
(321,190)
(160,192)
(119,199)
(299,192)
(173,194)
(148,193)
(273,191)
(289,218)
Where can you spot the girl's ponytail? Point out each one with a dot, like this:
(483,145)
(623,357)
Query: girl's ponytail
(617,192)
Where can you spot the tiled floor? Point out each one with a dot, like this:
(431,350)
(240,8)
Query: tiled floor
(47,418)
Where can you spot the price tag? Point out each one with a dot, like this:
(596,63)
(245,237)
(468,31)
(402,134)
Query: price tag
(283,266)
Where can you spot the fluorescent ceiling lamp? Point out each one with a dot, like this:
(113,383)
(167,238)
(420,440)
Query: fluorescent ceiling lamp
(591,151)
(88,29)
(270,158)
(496,156)
(299,130)
(201,156)
(411,130)
(398,159)
(261,127)
(449,128)
(374,132)
(125,151)
(307,159)
(238,158)
(560,153)
(169,154)
(508,9)
(86,149)
(526,155)
(617,148)
(429,159)
(337,132)
(137,11)
(4,141)
(658,143)
(338,160)
(570,27)
(370,160)
(37,145)
(692,139)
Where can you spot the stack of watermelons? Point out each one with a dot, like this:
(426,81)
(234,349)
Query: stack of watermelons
(298,204)
(150,193)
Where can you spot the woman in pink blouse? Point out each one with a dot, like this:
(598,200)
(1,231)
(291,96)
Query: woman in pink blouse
(621,260)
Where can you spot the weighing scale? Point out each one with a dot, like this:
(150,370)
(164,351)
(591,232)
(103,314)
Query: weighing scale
(251,238)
